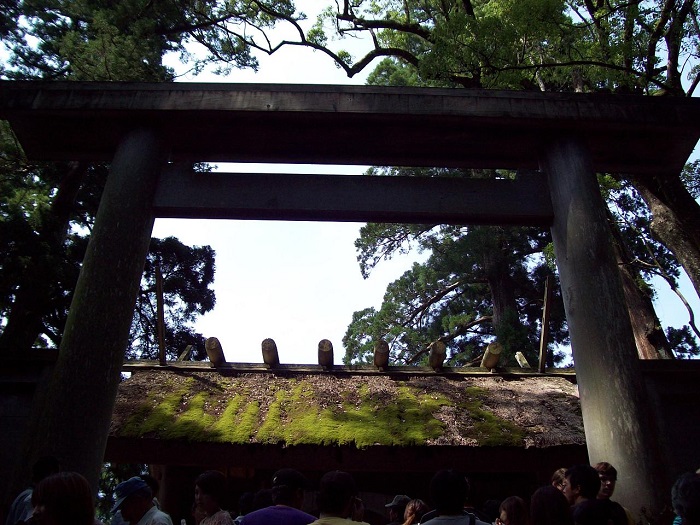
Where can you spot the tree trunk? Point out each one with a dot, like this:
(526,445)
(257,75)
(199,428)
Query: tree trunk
(24,322)
(676,219)
(506,324)
(648,333)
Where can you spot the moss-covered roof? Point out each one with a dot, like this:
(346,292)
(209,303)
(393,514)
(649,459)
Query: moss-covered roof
(360,410)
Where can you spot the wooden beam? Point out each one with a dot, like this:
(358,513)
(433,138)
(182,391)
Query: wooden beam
(358,125)
(184,194)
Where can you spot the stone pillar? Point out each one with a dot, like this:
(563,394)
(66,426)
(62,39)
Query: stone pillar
(71,417)
(618,423)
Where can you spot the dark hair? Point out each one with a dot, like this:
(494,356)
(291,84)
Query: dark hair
(336,489)
(448,491)
(685,497)
(262,499)
(515,509)
(286,483)
(212,483)
(548,506)
(586,478)
(606,469)
(66,497)
(414,510)
(245,503)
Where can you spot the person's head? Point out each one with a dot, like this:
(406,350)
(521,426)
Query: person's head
(210,491)
(608,477)
(262,499)
(549,506)
(134,499)
(559,478)
(685,498)
(63,498)
(152,483)
(288,487)
(337,493)
(582,483)
(448,492)
(414,510)
(512,511)
(245,503)
(397,507)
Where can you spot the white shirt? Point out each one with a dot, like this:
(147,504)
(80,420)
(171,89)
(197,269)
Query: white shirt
(155,517)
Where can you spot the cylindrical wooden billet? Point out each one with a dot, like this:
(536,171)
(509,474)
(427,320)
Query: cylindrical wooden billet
(492,355)
(215,352)
(325,353)
(381,354)
(438,352)
(269,352)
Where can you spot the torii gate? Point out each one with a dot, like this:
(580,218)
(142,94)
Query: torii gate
(143,127)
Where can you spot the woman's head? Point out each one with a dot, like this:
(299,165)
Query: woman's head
(414,510)
(210,490)
(549,506)
(64,498)
(513,511)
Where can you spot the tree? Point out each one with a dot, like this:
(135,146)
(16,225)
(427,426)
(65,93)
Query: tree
(480,283)
(187,272)
(551,45)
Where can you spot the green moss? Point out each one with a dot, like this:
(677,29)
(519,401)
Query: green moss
(272,431)
(293,417)
(238,422)
(192,424)
(489,429)
(156,419)
(407,420)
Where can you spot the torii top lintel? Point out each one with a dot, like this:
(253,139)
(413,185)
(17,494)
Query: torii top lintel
(332,124)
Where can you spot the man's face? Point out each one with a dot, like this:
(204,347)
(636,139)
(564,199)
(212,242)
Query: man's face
(132,509)
(570,492)
(607,486)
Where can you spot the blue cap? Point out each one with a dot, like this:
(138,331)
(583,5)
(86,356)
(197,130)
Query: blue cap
(126,489)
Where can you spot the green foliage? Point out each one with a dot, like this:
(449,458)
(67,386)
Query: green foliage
(111,475)
(683,342)
(187,273)
(479,283)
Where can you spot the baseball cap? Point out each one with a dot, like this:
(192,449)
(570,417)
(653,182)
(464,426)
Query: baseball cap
(398,501)
(126,489)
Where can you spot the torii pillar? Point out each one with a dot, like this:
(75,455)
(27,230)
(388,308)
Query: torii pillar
(75,409)
(611,387)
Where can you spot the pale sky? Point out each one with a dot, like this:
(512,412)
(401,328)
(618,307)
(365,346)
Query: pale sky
(299,282)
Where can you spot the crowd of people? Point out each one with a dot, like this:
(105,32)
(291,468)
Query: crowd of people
(580,495)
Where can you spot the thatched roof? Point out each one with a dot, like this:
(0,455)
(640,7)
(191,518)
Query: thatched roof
(348,408)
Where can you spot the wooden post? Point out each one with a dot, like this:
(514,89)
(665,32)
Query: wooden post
(546,309)
(619,429)
(215,352)
(72,415)
(381,354)
(325,353)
